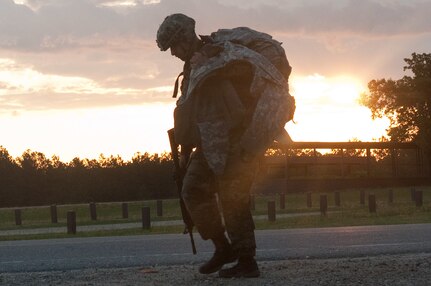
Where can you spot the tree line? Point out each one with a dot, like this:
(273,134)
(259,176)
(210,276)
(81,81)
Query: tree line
(34,179)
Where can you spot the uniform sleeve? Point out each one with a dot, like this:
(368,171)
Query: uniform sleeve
(219,112)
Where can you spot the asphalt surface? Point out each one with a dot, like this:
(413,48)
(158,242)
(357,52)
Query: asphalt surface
(173,249)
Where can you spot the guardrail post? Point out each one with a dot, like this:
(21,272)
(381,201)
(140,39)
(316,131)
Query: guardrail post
(159,208)
(362,197)
(368,162)
(93,213)
(271,210)
(146,218)
(372,203)
(418,198)
(54,218)
(252,203)
(125,210)
(412,194)
(282,201)
(71,222)
(337,199)
(309,201)
(323,204)
(390,196)
(18,218)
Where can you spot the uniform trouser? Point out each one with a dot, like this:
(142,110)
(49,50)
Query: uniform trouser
(210,198)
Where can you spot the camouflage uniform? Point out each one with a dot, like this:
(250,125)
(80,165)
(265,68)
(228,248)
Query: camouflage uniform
(208,195)
(223,112)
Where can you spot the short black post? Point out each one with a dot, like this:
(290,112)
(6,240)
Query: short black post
(71,222)
(362,197)
(323,204)
(146,218)
(390,196)
(125,210)
(54,218)
(252,203)
(412,194)
(159,208)
(418,198)
(309,202)
(282,201)
(18,219)
(372,203)
(337,199)
(93,213)
(271,210)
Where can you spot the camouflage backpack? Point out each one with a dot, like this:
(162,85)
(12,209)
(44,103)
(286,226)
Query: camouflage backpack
(273,105)
(259,42)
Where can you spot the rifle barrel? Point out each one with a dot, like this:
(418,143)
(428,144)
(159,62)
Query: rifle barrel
(179,180)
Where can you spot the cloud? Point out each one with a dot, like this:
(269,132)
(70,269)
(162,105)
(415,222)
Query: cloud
(22,87)
(60,24)
(63,23)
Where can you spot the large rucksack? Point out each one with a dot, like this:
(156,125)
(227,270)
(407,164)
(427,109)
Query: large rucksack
(273,106)
(259,42)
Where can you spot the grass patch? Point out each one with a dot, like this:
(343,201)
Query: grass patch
(107,213)
(349,213)
(118,232)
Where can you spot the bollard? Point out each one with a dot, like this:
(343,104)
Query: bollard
(337,199)
(391,196)
(362,197)
(54,218)
(309,202)
(282,201)
(146,218)
(71,222)
(252,203)
(271,211)
(125,210)
(93,213)
(412,194)
(159,208)
(418,198)
(323,204)
(372,203)
(18,220)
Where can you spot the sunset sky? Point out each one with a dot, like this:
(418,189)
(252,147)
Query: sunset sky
(83,77)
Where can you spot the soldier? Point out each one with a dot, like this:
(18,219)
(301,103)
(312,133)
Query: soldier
(221,129)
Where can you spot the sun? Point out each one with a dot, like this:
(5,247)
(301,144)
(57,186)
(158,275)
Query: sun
(328,109)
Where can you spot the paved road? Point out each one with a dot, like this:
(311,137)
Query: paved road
(142,250)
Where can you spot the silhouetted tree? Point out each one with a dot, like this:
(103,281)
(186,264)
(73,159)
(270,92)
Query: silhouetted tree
(406,102)
(8,176)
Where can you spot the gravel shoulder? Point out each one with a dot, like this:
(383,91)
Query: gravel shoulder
(402,269)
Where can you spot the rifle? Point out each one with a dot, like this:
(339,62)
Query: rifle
(179,176)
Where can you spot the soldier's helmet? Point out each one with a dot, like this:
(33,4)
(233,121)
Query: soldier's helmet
(175,28)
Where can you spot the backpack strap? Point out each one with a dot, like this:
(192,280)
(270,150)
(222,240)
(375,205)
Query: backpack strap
(174,95)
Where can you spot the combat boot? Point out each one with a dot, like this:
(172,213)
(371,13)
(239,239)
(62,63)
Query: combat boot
(223,254)
(246,267)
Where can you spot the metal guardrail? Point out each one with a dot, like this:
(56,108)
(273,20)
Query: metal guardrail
(343,160)
(418,173)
